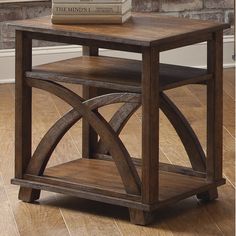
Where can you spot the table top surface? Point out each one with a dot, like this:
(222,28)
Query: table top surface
(143,29)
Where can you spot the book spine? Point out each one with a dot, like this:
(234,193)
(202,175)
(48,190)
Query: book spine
(85,9)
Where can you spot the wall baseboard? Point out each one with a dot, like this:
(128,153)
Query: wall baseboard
(194,55)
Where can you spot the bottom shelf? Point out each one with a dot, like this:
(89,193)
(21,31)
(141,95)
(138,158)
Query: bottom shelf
(99,180)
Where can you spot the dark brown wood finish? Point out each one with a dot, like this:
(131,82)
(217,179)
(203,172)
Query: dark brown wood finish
(116,73)
(89,136)
(107,173)
(23,104)
(23,111)
(142,30)
(88,42)
(214,113)
(150,135)
(215,107)
(150,125)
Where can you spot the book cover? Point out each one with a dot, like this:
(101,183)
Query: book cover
(86,9)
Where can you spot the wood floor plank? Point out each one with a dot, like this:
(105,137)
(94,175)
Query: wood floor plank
(7,221)
(31,219)
(229,82)
(36,219)
(229,114)
(228,105)
(229,157)
(187,218)
(222,210)
(85,217)
(161,228)
(6,108)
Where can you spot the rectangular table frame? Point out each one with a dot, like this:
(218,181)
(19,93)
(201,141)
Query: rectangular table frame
(139,211)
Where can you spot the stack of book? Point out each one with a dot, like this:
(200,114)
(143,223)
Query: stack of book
(90,11)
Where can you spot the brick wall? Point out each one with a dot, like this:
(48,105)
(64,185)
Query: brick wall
(219,10)
(15,11)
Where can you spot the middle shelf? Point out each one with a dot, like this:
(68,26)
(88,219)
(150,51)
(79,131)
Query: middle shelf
(114,73)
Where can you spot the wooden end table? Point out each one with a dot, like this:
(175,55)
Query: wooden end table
(106,172)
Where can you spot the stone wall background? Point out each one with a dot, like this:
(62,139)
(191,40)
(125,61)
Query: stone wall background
(218,10)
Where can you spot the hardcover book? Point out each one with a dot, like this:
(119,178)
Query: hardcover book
(93,9)
(90,11)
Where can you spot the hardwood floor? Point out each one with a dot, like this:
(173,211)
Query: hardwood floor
(56,214)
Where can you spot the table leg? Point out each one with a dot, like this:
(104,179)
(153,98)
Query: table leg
(214,113)
(23,114)
(89,136)
(150,134)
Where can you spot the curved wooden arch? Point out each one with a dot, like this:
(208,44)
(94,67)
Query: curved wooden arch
(178,121)
(118,151)
(185,132)
(50,140)
(118,121)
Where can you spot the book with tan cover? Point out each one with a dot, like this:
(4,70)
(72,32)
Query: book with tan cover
(93,9)
(90,19)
